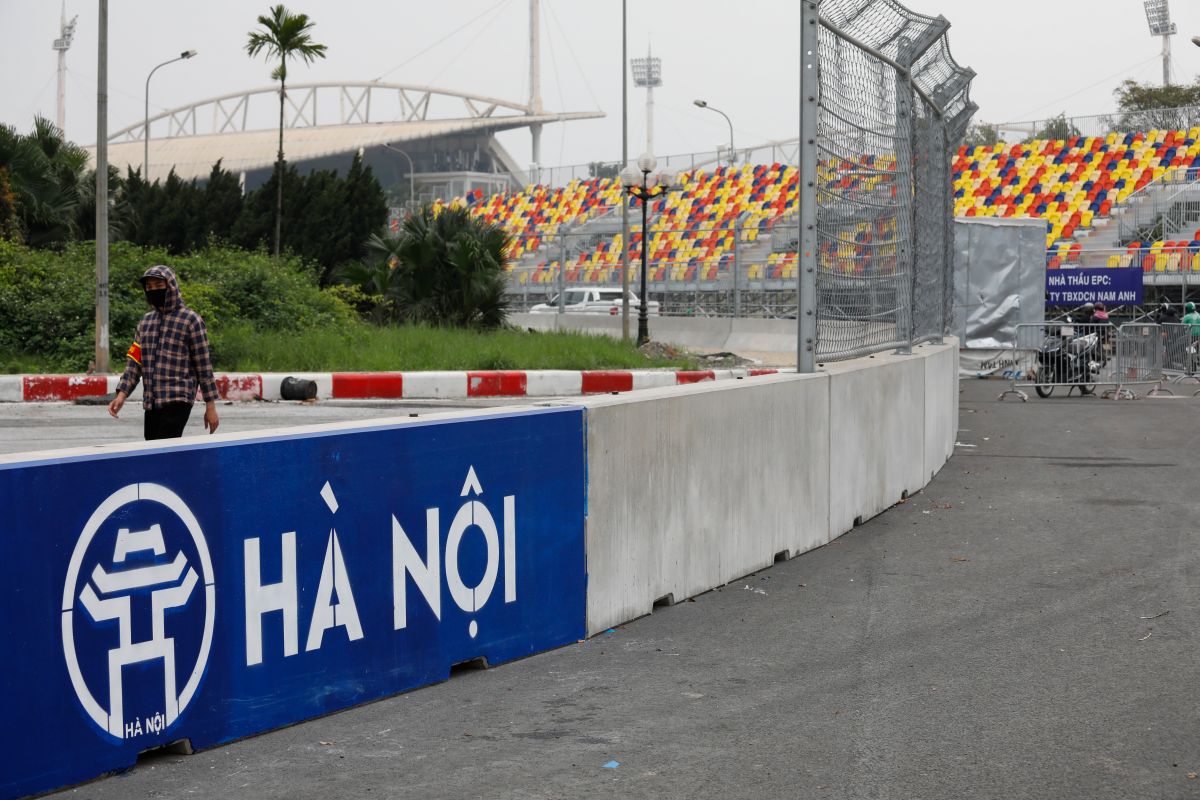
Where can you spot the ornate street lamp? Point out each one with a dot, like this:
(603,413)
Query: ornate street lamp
(641,184)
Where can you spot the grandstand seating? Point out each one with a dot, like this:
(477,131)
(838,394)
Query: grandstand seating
(691,228)
(1069,183)
(538,212)
(1175,256)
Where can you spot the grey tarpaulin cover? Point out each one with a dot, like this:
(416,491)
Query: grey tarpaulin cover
(999,283)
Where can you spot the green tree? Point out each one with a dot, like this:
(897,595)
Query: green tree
(43,174)
(254,228)
(449,269)
(183,216)
(220,205)
(377,276)
(120,212)
(600,169)
(10,222)
(981,134)
(1057,128)
(283,35)
(1144,106)
(364,213)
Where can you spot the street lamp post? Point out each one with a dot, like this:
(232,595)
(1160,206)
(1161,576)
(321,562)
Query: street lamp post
(704,104)
(146,124)
(639,183)
(102,190)
(412,193)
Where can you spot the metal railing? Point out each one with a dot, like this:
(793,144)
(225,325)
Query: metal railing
(1163,119)
(733,270)
(780,152)
(1150,257)
(1082,357)
(1166,209)
(1181,353)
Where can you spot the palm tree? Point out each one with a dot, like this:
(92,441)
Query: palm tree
(377,275)
(41,177)
(283,35)
(450,269)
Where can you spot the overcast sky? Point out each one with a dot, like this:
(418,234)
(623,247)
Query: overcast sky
(1034,58)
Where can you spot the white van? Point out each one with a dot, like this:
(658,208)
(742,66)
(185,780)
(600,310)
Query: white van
(594,300)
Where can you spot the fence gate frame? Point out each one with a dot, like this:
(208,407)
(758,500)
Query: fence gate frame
(901,295)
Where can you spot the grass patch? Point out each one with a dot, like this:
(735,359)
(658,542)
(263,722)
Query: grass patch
(18,363)
(364,347)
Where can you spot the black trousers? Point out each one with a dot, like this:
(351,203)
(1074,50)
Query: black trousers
(167,422)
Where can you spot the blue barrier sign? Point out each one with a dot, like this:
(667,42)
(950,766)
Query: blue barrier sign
(213,591)
(1075,287)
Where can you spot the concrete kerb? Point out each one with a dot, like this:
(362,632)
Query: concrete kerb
(386,385)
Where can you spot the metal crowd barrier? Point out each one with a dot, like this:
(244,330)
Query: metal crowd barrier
(1181,353)
(1051,356)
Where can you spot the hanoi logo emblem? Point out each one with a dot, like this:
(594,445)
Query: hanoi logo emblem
(138,611)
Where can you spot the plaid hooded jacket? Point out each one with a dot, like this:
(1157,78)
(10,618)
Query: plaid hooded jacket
(170,355)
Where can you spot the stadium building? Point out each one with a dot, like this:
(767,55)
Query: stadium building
(436,142)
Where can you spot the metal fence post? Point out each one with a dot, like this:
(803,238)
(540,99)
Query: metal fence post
(806,256)
(937,150)
(906,188)
(562,277)
(737,269)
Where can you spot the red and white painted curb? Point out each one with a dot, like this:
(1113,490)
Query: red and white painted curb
(388,385)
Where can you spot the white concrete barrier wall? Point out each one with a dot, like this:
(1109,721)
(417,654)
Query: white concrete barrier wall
(876,435)
(692,487)
(700,333)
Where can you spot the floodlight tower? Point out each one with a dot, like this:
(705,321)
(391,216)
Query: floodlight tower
(647,74)
(1158,14)
(535,86)
(66,32)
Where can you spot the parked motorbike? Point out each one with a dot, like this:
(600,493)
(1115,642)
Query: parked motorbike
(1068,359)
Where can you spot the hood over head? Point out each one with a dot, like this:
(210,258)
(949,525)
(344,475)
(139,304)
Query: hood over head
(174,298)
(1191,308)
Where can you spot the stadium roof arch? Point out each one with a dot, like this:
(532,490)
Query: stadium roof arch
(321,120)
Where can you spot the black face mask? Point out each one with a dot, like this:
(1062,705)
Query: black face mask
(156,297)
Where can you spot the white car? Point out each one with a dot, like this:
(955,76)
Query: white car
(598,300)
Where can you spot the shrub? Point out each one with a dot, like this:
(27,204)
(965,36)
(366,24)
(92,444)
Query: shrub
(47,299)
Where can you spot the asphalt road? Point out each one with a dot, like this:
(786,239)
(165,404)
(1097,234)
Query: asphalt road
(1026,627)
(51,426)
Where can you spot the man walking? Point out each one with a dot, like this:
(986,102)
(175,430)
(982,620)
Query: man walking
(171,358)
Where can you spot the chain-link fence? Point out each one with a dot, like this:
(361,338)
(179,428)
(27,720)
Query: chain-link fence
(891,106)
(847,229)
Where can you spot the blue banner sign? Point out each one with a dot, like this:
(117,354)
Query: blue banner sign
(213,591)
(1075,287)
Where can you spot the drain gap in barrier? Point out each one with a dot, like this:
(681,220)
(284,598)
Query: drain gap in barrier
(179,747)
(476,664)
